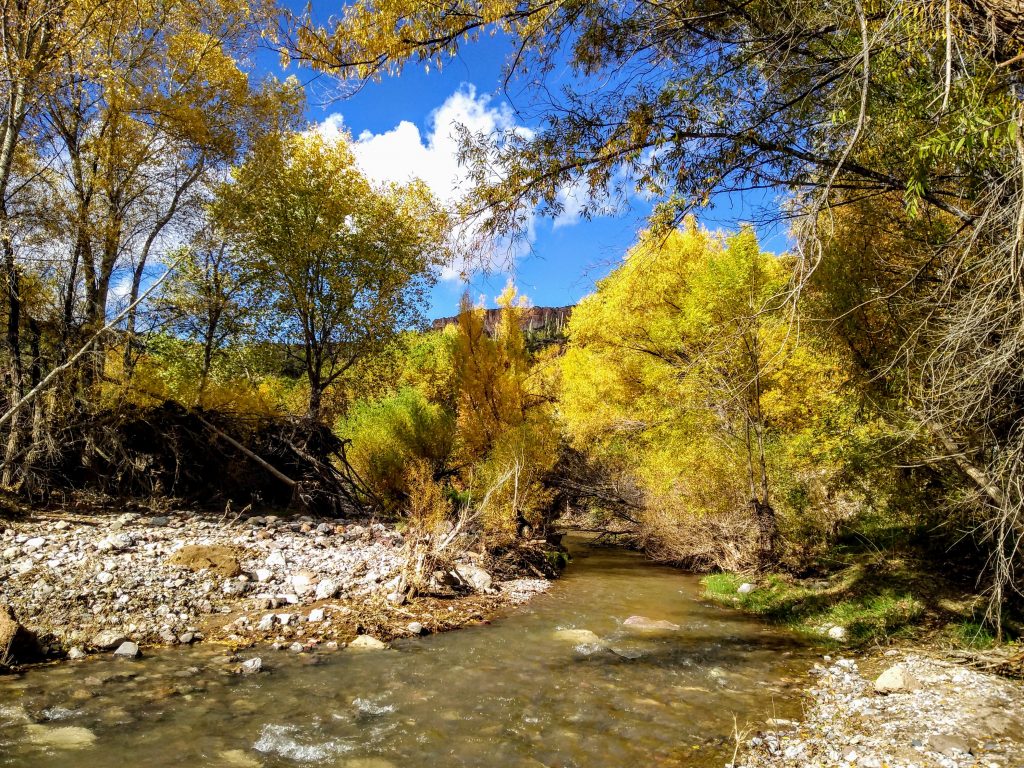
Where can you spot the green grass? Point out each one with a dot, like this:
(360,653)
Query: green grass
(969,635)
(870,610)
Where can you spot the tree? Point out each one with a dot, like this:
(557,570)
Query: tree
(837,103)
(346,265)
(680,370)
(211,300)
(507,436)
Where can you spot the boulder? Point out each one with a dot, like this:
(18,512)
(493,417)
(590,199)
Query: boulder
(577,636)
(107,639)
(65,737)
(948,744)
(896,680)
(17,644)
(475,576)
(645,624)
(326,589)
(251,666)
(367,643)
(127,650)
(303,582)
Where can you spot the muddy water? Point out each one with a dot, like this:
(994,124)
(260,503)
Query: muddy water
(516,693)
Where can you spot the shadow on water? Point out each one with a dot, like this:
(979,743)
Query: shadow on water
(515,693)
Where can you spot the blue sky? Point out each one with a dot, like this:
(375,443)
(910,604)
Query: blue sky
(403,128)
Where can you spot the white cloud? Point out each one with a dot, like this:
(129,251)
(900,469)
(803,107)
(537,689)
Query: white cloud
(404,153)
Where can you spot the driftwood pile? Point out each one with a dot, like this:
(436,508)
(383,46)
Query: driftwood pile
(202,458)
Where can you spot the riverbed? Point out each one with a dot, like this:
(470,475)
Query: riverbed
(522,691)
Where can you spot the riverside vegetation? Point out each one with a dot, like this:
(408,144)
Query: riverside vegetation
(215,319)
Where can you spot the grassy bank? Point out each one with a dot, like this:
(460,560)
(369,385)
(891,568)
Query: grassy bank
(874,602)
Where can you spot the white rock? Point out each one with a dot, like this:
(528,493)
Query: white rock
(837,633)
(263,575)
(65,737)
(326,589)
(415,628)
(367,643)
(284,619)
(234,587)
(276,559)
(76,653)
(646,624)
(745,588)
(317,614)
(107,639)
(302,582)
(34,543)
(127,650)
(251,666)
(475,576)
(896,680)
(104,577)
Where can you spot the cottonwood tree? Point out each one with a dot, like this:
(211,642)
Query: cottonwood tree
(678,372)
(133,108)
(915,105)
(345,264)
(211,300)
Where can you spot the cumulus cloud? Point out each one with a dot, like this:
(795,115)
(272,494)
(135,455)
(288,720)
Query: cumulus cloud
(404,152)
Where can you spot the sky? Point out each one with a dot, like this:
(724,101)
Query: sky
(404,127)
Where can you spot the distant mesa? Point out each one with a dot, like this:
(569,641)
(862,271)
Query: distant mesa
(549,321)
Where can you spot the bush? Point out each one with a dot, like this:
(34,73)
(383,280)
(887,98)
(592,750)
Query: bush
(391,435)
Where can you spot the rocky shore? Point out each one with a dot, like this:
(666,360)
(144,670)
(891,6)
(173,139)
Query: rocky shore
(896,710)
(93,582)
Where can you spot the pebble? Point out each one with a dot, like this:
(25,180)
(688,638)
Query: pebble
(93,581)
(940,708)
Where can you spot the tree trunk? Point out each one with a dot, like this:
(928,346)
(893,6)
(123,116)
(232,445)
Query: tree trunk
(13,344)
(767,534)
(315,399)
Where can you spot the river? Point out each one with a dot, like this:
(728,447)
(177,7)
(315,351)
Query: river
(519,692)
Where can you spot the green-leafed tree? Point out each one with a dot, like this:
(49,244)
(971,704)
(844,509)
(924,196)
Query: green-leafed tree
(345,264)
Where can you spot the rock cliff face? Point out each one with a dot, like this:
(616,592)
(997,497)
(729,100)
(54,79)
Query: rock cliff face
(547,320)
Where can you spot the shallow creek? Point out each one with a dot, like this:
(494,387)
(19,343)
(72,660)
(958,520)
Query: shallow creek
(514,693)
